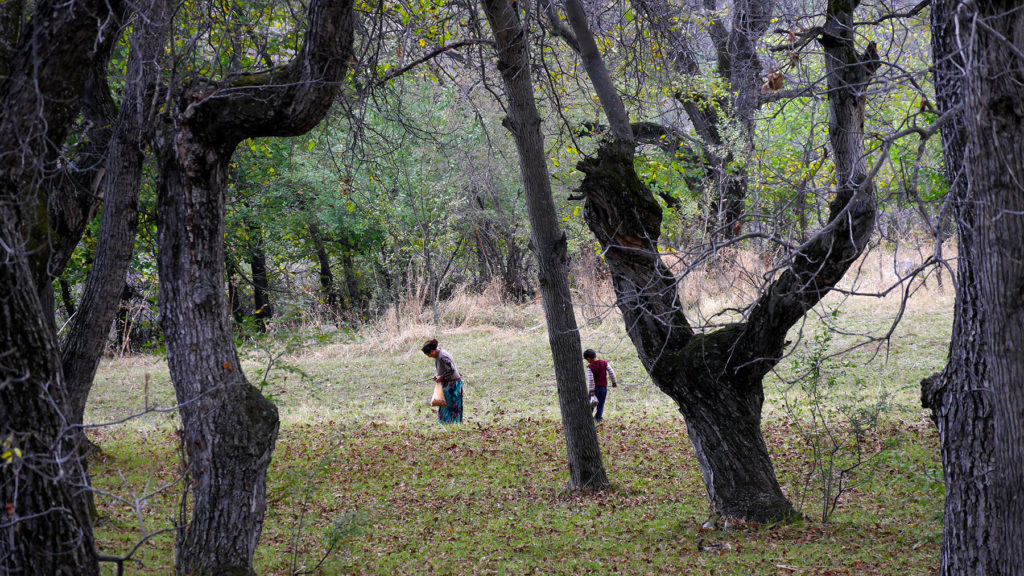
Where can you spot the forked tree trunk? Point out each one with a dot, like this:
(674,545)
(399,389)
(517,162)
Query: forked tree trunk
(977,402)
(716,377)
(586,469)
(229,427)
(722,409)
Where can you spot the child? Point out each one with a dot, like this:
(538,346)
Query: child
(598,374)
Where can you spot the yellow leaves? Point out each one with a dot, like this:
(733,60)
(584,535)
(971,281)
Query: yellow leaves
(9,451)
(423,42)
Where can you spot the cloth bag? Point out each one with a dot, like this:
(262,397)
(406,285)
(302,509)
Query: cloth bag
(438,398)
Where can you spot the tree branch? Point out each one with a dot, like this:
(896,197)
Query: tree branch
(431,55)
(287,101)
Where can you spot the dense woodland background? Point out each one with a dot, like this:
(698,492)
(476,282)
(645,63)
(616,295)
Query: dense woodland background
(767,212)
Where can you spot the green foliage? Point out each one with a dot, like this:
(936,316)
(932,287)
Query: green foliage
(837,415)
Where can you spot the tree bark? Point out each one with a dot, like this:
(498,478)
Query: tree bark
(45,526)
(586,469)
(977,401)
(716,377)
(116,237)
(229,427)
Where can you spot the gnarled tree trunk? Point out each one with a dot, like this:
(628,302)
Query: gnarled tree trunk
(116,238)
(716,377)
(229,427)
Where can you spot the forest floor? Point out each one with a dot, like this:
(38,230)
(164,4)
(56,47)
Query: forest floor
(364,481)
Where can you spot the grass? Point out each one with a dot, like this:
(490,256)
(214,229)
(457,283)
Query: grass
(362,464)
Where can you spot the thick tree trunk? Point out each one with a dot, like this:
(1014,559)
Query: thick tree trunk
(586,469)
(722,407)
(977,402)
(44,525)
(716,377)
(229,427)
(959,396)
(995,154)
(70,193)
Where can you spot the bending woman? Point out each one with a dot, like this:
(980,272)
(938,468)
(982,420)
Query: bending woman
(451,381)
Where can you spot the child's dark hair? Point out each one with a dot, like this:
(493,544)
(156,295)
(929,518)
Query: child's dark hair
(429,346)
(588,353)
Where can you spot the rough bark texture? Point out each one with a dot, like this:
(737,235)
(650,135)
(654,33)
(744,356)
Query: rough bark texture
(722,411)
(995,156)
(716,377)
(71,191)
(229,427)
(116,237)
(977,401)
(44,526)
(586,469)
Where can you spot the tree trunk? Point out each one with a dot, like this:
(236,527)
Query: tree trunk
(348,269)
(263,310)
(586,469)
(102,296)
(66,298)
(229,427)
(44,526)
(234,297)
(326,276)
(123,321)
(977,402)
(716,377)
(995,154)
(721,406)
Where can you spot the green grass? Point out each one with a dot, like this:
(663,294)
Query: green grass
(361,462)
